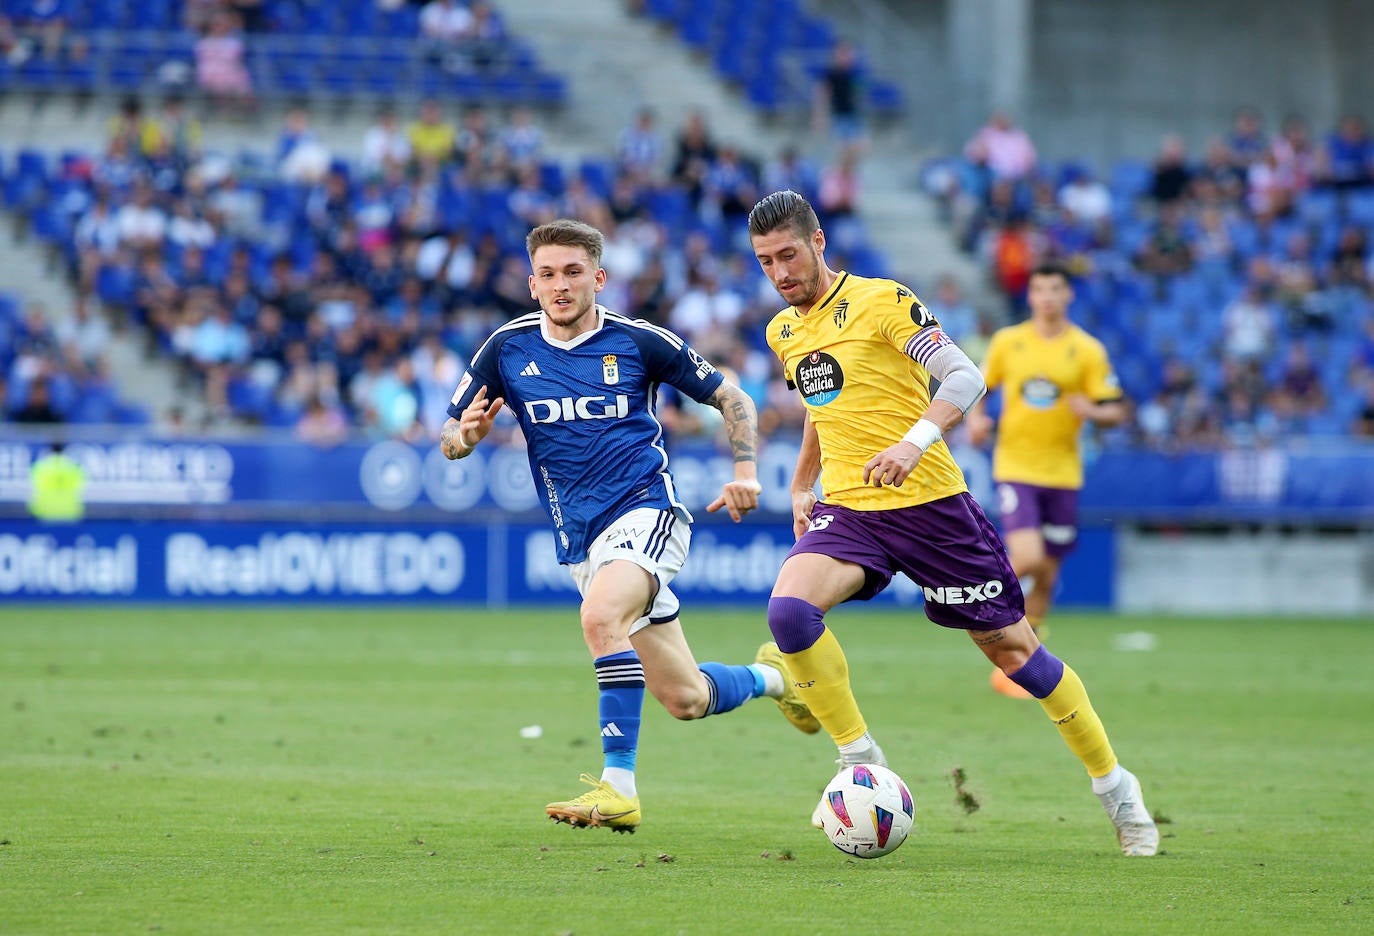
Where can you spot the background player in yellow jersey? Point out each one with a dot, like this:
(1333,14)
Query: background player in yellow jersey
(1054,377)
(861,352)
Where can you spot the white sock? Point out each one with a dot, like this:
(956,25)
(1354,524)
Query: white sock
(623,780)
(1109,782)
(856,747)
(772,680)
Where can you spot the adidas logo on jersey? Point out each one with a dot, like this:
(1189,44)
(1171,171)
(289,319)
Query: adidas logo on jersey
(611,731)
(531,370)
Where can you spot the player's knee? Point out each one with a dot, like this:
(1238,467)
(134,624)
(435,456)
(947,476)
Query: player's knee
(795,624)
(602,629)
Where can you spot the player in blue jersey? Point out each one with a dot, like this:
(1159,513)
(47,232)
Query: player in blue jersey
(580,379)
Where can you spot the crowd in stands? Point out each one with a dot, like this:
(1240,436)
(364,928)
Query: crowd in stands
(1232,287)
(299,289)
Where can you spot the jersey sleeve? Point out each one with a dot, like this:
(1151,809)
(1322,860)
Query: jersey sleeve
(668,359)
(1100,381)
(484,371)
(905,321)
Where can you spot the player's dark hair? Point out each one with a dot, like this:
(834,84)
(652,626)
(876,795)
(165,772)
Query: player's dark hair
(1051,268)
(785,209)
(565,232)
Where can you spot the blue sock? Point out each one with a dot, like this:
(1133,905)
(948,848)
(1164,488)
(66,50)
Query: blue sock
(620,676)
(731,686)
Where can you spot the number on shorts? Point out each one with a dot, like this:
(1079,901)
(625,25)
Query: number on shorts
(820,523)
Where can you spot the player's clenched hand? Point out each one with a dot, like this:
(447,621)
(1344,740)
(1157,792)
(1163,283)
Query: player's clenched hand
(1079,405)
(892,465)
(739,497)
(803,502)
(476,420)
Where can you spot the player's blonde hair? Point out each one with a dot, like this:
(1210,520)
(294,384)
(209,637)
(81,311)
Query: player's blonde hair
(785,209)
(565,232)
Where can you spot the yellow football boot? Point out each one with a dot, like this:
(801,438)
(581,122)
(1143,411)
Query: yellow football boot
(602,805)
(793,708)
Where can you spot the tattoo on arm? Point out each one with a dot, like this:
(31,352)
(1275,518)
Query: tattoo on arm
(451,440)
(741,420)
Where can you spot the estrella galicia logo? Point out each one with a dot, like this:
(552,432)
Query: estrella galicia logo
(1040,392)
(819,378)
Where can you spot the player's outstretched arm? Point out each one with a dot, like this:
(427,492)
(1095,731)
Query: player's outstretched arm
(1104,414)
(460,436)
(742,429)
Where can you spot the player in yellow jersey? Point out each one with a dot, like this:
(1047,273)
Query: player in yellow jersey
(1054,377)
(862,352)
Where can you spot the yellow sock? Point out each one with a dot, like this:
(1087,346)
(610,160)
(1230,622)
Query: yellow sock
(1072,713)
(822,676)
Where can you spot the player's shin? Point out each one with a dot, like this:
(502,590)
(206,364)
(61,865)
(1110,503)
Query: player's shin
(1064,698)
(818,667)
(620,677)
(730,687)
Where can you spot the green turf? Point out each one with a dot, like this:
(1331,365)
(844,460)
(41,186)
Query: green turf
(306,770)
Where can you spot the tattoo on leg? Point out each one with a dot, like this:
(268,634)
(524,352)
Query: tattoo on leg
(989,639)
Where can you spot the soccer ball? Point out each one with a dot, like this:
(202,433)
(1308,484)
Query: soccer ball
(867,810)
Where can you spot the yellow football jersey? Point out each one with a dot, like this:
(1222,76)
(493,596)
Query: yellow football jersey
(1037,437)
(852,357)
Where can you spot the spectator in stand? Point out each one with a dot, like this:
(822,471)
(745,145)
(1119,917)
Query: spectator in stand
(839,189)
(142,225)
(837,102)
(1296,155)
(173,138)
(1015,253)
(487,48)
(1272,188)
(1218,180)
(695,154)
(38,407)
(301,154)
(187,228)
(385,145)
(1349,154)
(446,29)
(789,171)
(730,186)
(221,70)
(84,335)
(1084,197)
(322,425)
(1249,325)
(1171,174)
(1167,252)
(432,138)
(1247,142)
(1008,149)
(955,313)
(1299,393)
(521,140)
(639,152)
(42,24)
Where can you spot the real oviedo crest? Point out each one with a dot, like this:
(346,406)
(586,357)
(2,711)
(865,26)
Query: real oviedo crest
(609,369)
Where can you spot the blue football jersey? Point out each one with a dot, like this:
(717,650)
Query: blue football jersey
(587,410)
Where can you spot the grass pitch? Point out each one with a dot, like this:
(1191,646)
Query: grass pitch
(308,770)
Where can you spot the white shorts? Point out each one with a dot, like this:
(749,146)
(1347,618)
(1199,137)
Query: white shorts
(656,541)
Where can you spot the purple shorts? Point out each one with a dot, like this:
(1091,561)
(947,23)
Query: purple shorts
(1052,511)
(948,547)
